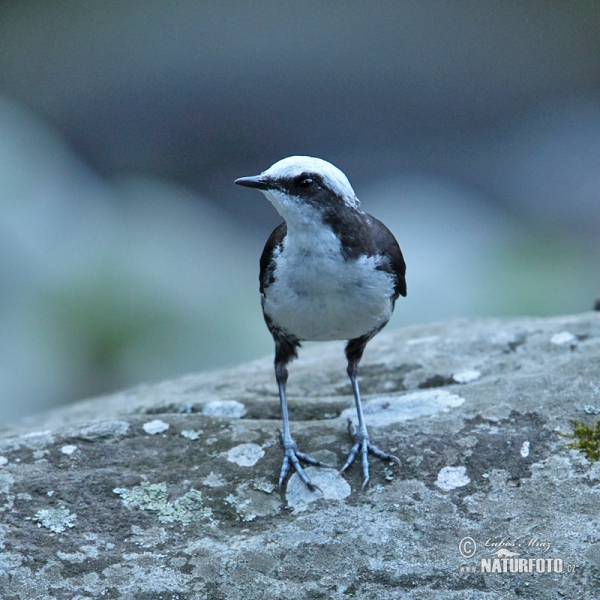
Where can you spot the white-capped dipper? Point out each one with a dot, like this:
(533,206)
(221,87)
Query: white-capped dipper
(329,272)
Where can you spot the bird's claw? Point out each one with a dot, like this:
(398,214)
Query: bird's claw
(363,445)
(292,457)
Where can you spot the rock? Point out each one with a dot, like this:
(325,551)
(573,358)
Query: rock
(149,494)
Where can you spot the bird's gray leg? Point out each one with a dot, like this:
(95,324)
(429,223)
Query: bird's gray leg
(360,436)
(292,456)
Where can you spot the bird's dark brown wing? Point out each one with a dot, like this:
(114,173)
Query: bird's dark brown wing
(384,239)
(266,260)
(286,345)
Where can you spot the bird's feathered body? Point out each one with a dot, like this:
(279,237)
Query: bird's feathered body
(329,272)
(312,291)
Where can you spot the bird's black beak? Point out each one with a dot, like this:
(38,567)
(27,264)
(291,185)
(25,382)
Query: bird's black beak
(253,182)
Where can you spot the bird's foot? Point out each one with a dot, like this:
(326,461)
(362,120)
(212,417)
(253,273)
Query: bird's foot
(292,457)
(363,445)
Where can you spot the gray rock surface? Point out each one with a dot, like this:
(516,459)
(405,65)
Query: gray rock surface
(169,490)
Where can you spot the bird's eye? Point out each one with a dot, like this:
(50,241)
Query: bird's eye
(305,183)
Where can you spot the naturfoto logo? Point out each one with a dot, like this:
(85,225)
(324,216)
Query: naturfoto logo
(506,555)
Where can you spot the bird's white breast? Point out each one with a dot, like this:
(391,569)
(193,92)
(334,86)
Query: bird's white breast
(318,295)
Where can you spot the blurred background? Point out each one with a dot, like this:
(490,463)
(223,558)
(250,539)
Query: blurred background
(472,129)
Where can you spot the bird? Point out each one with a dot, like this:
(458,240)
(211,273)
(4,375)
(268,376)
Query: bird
(329,272)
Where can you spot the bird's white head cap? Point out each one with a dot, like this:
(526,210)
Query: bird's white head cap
(296,166)
(285,178)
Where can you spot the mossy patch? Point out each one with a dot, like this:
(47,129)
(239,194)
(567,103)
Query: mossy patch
(587,439)
(155,498)
(56,520)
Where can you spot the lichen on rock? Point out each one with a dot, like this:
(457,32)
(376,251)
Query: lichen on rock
(93,505)
(154,497)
